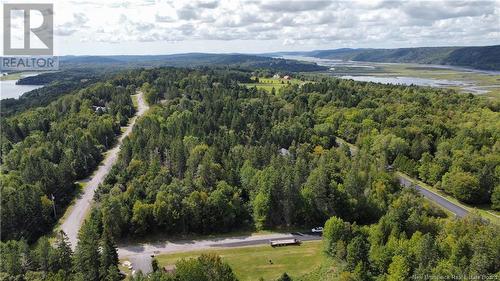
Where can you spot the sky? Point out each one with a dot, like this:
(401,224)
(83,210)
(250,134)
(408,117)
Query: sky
(108,27)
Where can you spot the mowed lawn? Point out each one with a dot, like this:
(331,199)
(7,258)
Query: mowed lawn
(252,263)
(268,84)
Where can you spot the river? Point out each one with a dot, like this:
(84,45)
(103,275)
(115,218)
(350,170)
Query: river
(367,72)
(9,89)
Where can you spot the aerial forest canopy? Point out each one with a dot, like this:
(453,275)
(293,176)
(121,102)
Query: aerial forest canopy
(46,149)
(213,155)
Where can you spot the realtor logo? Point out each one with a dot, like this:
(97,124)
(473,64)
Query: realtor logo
(28,57)
(45,32)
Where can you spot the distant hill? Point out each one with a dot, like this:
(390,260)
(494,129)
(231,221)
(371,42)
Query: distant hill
(486,58)
(190,60)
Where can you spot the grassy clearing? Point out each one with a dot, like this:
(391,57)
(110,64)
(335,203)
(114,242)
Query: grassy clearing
(12,76)
(483,210)
(329,269)
(268,84)
(252,263)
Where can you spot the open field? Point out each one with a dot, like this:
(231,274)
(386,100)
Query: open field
(252,263)
(16,75)
(268,84)
(12,76)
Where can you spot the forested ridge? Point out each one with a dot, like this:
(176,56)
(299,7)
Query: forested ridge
(479,57)
(214,156)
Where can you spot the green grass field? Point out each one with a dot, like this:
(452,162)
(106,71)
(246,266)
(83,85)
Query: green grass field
(13,76)
(252,263)
(268,84)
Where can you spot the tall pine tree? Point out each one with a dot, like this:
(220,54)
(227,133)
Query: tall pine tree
(86,256)
(63,252)
(109,256)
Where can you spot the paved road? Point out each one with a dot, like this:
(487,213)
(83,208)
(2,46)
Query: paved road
(140,255)
(74,220)
(438,199)
(434,197)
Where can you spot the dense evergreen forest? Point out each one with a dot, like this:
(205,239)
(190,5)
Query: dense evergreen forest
(45,149)
(214,156)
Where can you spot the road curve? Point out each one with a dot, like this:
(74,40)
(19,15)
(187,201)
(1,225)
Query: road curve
(140,254)
(78,211)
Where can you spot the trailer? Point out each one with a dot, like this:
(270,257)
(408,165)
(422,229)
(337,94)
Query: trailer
(284,242)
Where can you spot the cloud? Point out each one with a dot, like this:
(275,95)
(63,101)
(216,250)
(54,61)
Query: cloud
(208,4)
(294,6)
(76,24)
(438,10)
(164,18)
(315,23)
(187,13)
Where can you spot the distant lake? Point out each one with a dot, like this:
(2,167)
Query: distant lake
(9,89)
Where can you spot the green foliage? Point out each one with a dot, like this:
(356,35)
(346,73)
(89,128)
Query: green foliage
(204,268)
(408,242)
(86,261)
(464,186)
(495,198)
(46,149)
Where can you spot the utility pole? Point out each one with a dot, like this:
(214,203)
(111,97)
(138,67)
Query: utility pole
(54,204)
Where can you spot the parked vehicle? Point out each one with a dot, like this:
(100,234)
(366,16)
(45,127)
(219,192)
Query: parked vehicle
(318,229)
(284,242)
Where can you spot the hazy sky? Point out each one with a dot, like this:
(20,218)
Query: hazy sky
(164,27)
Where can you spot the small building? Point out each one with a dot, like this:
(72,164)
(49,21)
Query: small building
(287,77)
(276,76)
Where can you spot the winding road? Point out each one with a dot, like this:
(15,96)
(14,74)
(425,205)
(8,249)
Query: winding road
(81,207)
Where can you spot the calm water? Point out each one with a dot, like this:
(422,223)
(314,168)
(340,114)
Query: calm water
(335,65)
(403,80)
(9,89)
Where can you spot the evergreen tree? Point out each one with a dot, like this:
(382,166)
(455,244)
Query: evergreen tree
(63,252)
(86,258)
(109,254)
